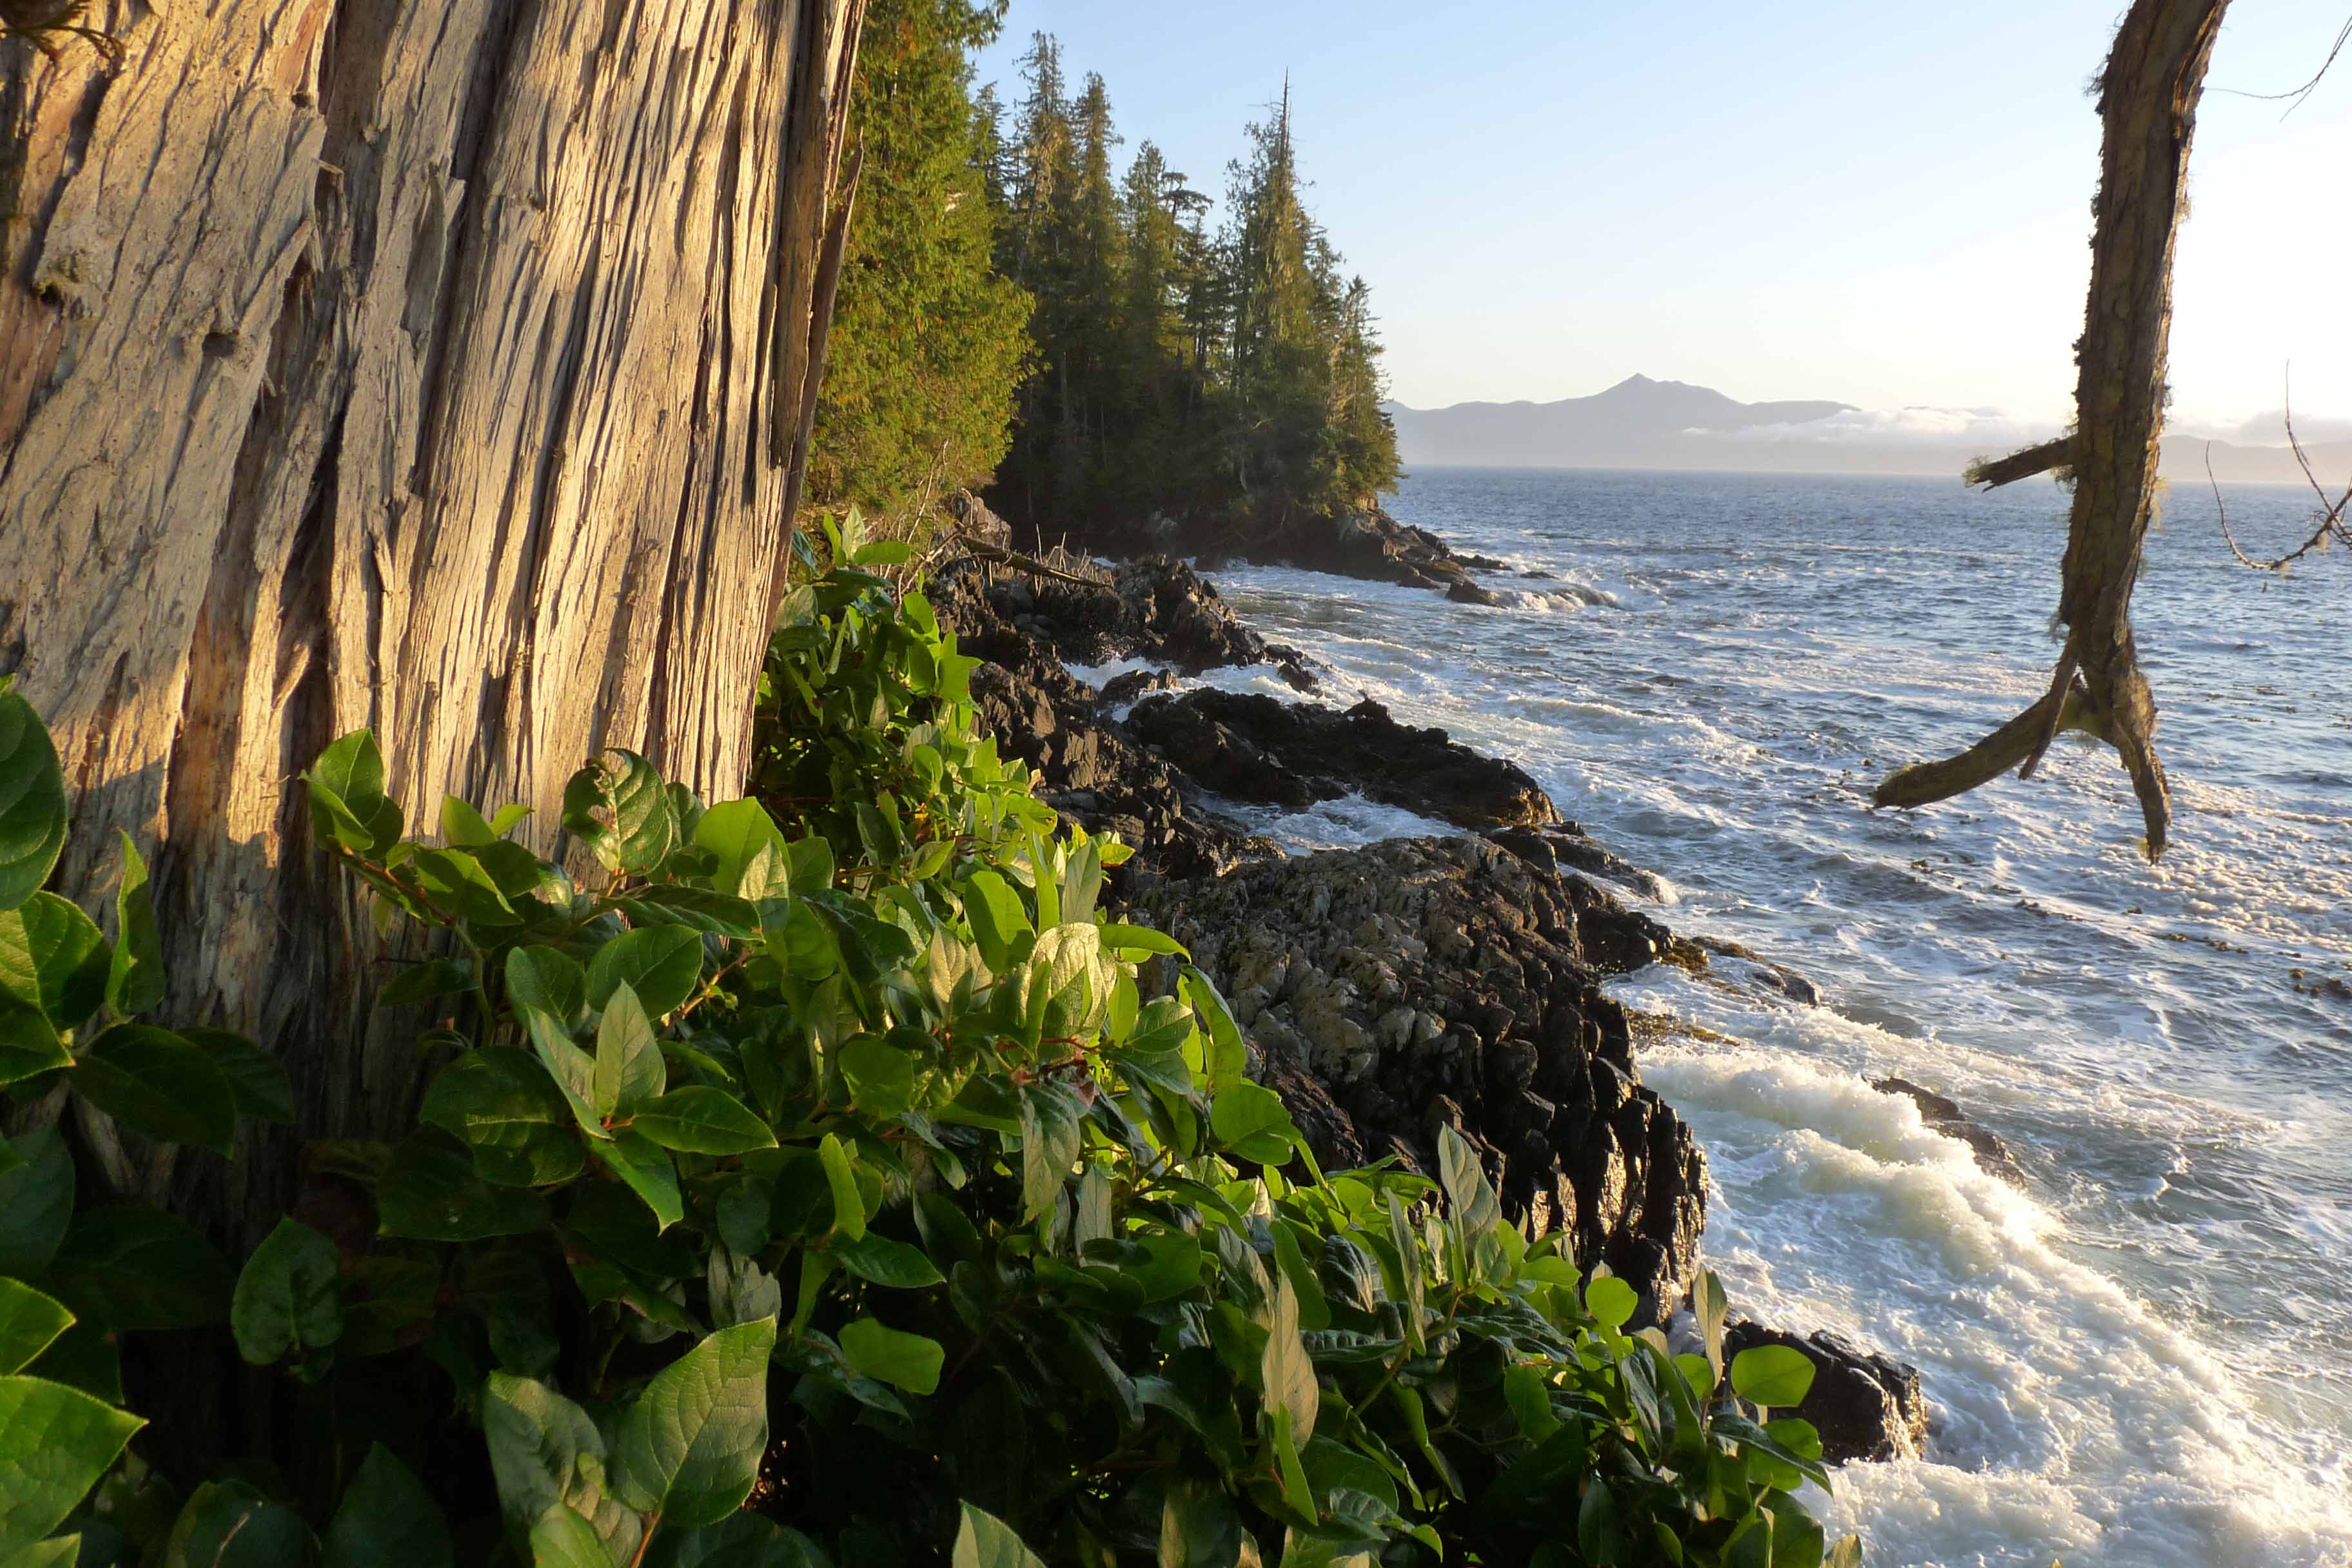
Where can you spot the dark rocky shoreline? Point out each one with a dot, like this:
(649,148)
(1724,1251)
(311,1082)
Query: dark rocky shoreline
(1391,989)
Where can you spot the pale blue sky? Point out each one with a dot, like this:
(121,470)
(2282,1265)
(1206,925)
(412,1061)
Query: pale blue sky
(1886,203)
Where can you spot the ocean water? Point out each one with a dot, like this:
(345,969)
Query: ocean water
(2141,1358)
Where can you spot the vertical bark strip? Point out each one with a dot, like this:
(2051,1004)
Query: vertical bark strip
(2148,108)
(394,365)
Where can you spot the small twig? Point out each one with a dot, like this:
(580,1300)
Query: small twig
(2331,512)
(2300,93)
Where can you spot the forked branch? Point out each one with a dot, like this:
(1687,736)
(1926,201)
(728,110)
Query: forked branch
(2148,106)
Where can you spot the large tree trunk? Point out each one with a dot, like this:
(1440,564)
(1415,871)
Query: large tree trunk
(412,364)
(2147,107)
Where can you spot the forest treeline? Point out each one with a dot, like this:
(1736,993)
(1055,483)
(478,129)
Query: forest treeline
(1096,346)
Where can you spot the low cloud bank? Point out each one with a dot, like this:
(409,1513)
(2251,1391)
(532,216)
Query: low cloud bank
(1919,426)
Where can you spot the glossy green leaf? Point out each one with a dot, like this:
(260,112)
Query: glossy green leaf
(56,1552)
(386,1519)
(55,1442)
(37,1200)
(1776,1375)
(1599,1528)
(1249,1118)
(998,921)
(229,1524)
(560,1538)
(1468,1193)
(1228,1058)
(1050,1134)
(133,1267)
(29,1044)
(346,800)
(703,1120)
(548,982)
(737,831)
(886,1355)
(629,1071)
(503,1105)
(546,1451)
(879,1260)
(880,1075)
(1287,1374)
(984,1541)
(160,1084)
(430,1191)
(134,980)
(258,1083)
(661,964)
(1610,1301)
(29,1322)
(649,1171)
(33,813)
(1141,939)
(53,960)
(848,1206)
(289,1295)
(741,1540)
(689,1448)
(1710,1307)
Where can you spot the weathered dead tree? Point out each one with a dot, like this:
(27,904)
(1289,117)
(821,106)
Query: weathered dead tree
(2148,106)
(427,364)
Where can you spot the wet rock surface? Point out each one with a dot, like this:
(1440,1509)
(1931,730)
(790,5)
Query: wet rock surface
(1371,545)
(1944,1116)
(1865,1406)
(1087,764)
(1258,749)
(1157,608)
(1423,982)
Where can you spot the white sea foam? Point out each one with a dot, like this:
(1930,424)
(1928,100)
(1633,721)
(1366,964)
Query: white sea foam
(2145,1360)
(2074,1420)
(1347,823)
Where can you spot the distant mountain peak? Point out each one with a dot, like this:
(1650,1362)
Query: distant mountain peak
(1638,421)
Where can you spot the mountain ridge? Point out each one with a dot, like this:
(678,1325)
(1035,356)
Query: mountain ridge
(1642,422)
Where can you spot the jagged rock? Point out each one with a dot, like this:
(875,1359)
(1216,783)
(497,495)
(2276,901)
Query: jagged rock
(1442,980)
(1565,844)
(1156,609)
(1122,690)
(1944,1116)
(1290,754)
(1865,1406)
(1765,971)
(1049,719)
(1463,591)
(1369,544)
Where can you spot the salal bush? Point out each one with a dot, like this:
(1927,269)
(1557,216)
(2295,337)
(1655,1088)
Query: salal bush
(818,1180)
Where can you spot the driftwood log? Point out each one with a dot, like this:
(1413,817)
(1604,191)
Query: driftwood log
(2148,106)
(432,365)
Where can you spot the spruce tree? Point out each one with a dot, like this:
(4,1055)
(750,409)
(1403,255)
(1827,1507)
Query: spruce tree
(929,338)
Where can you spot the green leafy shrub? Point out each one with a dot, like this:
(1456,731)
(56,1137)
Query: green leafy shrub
(826,1184)
(75,1277)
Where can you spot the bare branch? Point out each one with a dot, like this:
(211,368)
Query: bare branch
(2021,739)
(1991,473)
(2300,93)
(2330,518)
